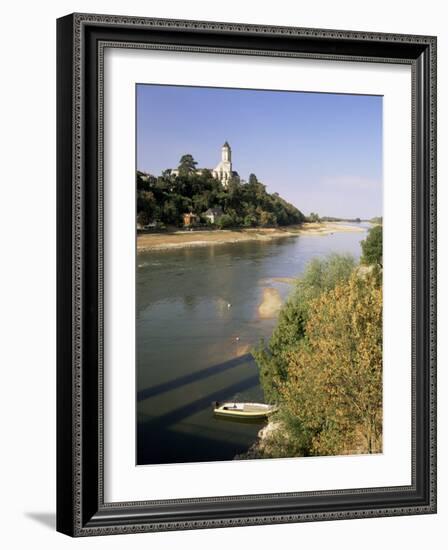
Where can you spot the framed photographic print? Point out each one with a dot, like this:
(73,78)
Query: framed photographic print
(246,274)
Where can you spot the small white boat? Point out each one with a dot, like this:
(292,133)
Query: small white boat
(243,410)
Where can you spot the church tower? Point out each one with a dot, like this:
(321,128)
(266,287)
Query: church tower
(226,153)
(224,172)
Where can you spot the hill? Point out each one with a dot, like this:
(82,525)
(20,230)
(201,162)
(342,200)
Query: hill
(168,197)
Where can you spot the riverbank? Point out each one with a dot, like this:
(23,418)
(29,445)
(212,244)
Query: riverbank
(267,442)
(187,239)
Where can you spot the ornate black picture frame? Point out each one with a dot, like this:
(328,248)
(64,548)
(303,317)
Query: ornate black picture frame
(81,509)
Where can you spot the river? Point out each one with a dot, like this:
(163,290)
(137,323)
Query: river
(197,319)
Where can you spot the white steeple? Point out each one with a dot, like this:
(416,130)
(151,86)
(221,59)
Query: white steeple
(226,153)
(223,171)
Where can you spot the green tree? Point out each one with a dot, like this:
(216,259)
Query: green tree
(225,221)
(142,218)
(267,218)
(187,165)
(142,181)
(250,220)
(171,214)
(200,203)
(147,203)
(253,179)
(372,247)
(313,217)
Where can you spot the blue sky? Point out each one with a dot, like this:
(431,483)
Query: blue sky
(322,152)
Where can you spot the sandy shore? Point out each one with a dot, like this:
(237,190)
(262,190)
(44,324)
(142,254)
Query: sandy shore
(187,239)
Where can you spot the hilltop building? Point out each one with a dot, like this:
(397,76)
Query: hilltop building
(213,215)
(190,219)
(223,171)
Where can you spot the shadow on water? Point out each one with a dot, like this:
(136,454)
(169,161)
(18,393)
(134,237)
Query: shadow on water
(200,404)
(170,446)
(241,420)
(158,444)
(192,377)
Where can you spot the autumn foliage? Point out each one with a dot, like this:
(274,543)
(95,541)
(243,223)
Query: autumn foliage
(323,363)
(333,387)
(321,275)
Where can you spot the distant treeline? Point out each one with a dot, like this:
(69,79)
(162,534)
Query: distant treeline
(168,197)
(313,217)
(332,219)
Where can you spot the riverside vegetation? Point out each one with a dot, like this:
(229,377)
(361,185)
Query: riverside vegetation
(323,364)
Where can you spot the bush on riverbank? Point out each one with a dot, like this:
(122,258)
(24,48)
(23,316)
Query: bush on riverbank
(320,275)
(333,385)
(323,364)
(372,247)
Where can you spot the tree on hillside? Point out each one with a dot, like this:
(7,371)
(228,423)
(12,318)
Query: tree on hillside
(253,179)
(187,165)
(225,221)
(142,218)
(206,174)
(267,219)
(372,247)
(147,203)
(250,220)
(170,214)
